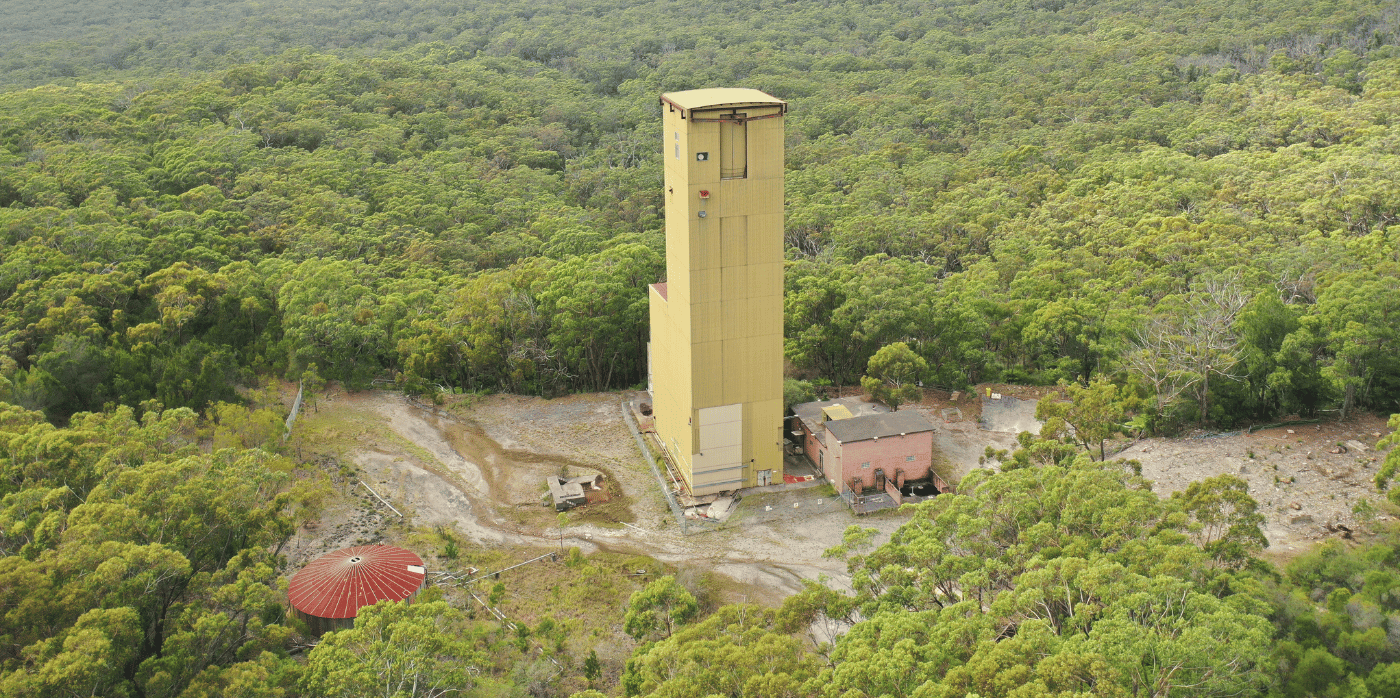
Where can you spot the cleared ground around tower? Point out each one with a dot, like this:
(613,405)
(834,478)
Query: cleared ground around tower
(477,465)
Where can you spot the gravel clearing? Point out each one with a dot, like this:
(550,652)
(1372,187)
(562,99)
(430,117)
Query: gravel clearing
(1302,486)
(1009,415)
(477,465)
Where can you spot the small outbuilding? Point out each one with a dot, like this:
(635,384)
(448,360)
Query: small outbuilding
(568,493)
(330,591)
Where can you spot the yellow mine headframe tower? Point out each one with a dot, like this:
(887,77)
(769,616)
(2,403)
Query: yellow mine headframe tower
(716,352)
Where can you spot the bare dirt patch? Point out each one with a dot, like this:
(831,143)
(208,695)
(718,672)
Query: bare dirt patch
(1306,477)
(961,435)
(477,466)
(1009,415)
(525,439)
(1303,487)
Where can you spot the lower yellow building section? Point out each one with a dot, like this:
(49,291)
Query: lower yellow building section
(715,445)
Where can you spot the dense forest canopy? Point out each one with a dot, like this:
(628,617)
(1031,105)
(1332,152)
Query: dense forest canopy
(467,196)
(1190,204)
(605,43)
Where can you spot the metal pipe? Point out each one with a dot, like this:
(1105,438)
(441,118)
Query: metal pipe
(385,501)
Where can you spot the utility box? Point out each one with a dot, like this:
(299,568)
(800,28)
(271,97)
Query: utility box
(716,366)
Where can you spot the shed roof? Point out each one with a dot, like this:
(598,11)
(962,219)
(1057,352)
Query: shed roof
(720,98)
(877,425)
(339,583)
(837,412)
(811,412)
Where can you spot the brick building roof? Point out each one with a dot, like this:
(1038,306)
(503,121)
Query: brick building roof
(877,425)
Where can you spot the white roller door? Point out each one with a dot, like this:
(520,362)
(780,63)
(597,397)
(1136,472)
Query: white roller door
(719,465)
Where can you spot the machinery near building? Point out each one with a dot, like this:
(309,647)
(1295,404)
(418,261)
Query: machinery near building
(716,352)
(329,591)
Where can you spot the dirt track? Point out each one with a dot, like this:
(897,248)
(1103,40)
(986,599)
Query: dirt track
(479,468)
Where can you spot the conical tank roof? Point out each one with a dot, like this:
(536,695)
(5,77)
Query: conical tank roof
(338,583)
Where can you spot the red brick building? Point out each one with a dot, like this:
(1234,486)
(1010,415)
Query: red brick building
(867,452)
(870,451)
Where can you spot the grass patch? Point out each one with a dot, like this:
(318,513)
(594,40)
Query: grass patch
(751,505)
(585,597)
(944,469)
(330,431)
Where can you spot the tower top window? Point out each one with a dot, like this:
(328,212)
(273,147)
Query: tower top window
(733,147)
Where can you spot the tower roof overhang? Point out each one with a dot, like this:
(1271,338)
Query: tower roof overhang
(717,98)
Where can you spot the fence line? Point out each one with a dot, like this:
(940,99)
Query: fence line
(474,575)
(499,616)
(518,564)
(651,461)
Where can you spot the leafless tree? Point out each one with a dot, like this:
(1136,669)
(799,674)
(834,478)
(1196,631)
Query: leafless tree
(1180,353)
(1299,289)
(1156,347)
(807,240)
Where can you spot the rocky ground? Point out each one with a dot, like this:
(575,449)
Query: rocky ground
(477,466)
(1306,478)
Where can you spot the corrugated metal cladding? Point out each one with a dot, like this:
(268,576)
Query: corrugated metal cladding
(329,592)
(717,332)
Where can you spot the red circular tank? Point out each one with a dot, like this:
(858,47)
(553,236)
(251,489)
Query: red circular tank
(330,590)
